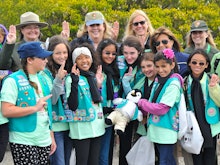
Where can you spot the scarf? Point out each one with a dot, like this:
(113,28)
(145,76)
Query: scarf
(147,89)
(199,108)
(161,81)
(107,69)
(121,90)
(90,76)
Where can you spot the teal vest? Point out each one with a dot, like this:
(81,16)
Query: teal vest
(58,111)
(170,120)
(137,82)
(85,111)
(26,97)
(211,110)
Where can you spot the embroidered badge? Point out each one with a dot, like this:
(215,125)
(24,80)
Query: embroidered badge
(211,112)
(155,118)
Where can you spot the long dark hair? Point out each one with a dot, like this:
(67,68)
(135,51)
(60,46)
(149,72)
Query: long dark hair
(52,65)
(102,45)
(160,56)
(204,54)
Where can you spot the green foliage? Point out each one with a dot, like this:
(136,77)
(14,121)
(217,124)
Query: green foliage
(175,14)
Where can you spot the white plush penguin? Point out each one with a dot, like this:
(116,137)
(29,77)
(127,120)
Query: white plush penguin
(125,111)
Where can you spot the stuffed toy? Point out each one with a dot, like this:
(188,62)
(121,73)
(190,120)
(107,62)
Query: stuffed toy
(125,111)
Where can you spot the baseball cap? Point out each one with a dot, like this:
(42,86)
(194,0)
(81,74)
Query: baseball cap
(95,17)
(199,25)
(33,49)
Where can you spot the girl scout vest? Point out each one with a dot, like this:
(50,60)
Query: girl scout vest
(171,118)
(26,97)
(85,111)
(211,110)
(58,111)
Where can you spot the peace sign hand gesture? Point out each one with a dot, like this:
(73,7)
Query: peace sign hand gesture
(61,72)
(42,102)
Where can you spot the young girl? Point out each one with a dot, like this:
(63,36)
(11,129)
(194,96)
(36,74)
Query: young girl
(84,99)
(199,101)
(25,101)
(163,106)
(149,70)
(55,72)
(132,78)
(3,34)
(107,51)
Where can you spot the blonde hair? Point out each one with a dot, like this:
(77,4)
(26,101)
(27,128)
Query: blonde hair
(83,30)
(128,29)
(209,39)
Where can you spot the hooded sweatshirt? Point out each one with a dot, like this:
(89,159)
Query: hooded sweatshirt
(6,33)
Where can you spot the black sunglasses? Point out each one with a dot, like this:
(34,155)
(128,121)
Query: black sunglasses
(200,63)
(108,53)
(136,23)
(163,42)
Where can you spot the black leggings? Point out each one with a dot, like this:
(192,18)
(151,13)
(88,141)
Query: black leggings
(126,141)
(3,139)
(207,156)
(87,151)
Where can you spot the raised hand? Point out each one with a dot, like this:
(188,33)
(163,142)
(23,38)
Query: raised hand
(75,70)
(42,102)
(65,30)
(214,80)
(128,76)
(61,72)
(99,76)
(11,37)
(115,30)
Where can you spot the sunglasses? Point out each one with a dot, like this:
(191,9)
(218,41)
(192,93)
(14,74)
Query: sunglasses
(137,23)
(200,63)
(163,42)
(108,54)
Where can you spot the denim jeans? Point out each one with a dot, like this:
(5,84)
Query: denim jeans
(64,147)
(105,146)
(166,156)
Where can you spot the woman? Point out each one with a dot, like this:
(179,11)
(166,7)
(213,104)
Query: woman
(29,29)
(200,102)
(95,29)
(131,78)
(26,102)
(163,38)
(139,25)
(55,72)
(200,37)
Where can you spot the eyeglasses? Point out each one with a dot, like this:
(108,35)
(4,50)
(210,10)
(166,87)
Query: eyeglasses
(163,42)
(108,53)
(137,23)
(200,63)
